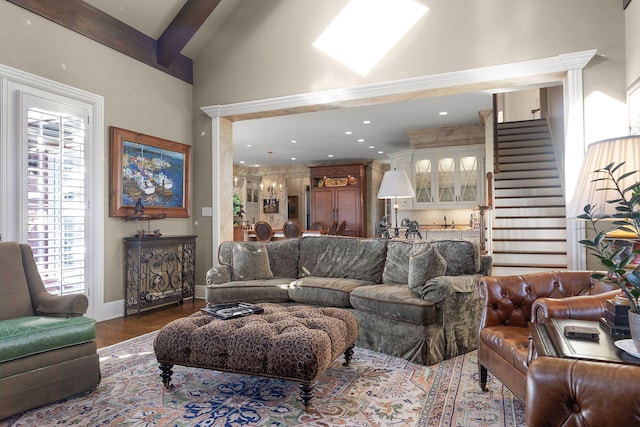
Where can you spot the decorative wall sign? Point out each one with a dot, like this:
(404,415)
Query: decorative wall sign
(152,170)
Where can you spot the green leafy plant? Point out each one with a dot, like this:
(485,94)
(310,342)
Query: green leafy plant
(238,207)
(618,261)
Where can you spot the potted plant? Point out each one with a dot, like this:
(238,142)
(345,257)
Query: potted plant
(618,261)
(238,211)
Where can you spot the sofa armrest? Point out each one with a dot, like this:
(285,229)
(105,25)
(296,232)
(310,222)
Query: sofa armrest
(486,265)
(439,288)
(574,392)
(218,275)
(46,304)
(459,314)
(585,307)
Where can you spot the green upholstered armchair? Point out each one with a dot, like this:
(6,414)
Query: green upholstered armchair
(47,348)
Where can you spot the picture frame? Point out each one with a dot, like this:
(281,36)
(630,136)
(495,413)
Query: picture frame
(292,205)
(153,171)
(270,206)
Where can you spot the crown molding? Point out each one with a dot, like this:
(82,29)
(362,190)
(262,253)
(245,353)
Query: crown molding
(517,70)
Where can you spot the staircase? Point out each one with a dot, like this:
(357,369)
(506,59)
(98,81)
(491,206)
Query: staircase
(529,227)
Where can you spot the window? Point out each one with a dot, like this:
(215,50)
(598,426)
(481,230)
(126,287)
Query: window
(56,203)
(51,176)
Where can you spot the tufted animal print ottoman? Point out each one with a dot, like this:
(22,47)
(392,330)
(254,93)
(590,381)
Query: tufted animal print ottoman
(295,343)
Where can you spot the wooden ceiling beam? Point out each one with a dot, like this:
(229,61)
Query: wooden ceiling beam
(91,22)
(185,24)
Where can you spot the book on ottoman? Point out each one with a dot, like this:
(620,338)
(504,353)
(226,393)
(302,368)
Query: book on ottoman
(232,310)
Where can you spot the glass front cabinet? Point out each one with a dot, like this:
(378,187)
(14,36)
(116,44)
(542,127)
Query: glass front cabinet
(443,177)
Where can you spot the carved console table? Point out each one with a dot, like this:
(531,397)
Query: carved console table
(158,270)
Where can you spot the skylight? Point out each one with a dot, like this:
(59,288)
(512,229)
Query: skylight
(365,30)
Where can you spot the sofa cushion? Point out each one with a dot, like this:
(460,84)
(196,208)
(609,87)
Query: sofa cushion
(270,290)
(283,255)
(393,301)
(25,336)
(396,265)
(14,292)
(463,256)
(328,291)
(250,263)
(342,257)
(424,265)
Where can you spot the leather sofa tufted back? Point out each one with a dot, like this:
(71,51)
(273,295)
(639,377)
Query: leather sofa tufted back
(510,298)
(571,392)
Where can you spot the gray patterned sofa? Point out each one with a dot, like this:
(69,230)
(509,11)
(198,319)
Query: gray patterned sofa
(418,301)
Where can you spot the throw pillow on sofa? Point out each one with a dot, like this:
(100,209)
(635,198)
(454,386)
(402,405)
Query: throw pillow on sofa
(424,265)
(250,263)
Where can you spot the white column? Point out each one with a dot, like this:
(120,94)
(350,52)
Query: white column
(574,149)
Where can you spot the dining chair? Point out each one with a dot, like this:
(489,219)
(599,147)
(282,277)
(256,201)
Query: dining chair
(317,226)
(333,228)
(263,230)
(291,229)
(341,228)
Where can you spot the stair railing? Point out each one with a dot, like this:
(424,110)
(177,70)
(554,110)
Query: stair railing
(496,161)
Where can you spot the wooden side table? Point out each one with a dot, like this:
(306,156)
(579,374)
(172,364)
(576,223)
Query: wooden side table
(548,339)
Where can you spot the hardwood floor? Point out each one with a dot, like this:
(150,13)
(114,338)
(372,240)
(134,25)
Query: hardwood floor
(113,331)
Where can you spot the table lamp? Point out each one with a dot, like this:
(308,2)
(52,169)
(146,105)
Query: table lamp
(600,154)
(395,185)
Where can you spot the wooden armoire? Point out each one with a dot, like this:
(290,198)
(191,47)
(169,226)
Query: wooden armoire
(338,194)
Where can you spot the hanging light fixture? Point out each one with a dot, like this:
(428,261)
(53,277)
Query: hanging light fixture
(271,187)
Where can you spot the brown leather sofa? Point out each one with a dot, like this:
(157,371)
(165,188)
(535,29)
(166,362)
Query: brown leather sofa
(570,392)
(511,302)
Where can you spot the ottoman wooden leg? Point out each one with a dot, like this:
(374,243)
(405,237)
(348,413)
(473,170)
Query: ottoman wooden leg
(165,374)
(348,354)
(306,394)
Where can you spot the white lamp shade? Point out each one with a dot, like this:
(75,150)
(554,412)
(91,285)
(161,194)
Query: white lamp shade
(600,154)
(395,184)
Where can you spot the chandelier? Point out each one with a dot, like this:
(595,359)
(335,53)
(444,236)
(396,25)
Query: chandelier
(271,184)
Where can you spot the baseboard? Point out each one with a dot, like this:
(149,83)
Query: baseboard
(112,310)
(115,309)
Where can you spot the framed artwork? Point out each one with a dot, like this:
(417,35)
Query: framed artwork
(150,171)
(270,206)
(292,204)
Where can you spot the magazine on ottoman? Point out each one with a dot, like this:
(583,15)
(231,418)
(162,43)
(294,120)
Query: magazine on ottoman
(232,310)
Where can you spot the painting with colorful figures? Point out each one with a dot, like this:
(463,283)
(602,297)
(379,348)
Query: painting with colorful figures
(151,171)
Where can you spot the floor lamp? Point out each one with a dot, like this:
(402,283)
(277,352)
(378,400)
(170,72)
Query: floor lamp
(395,185)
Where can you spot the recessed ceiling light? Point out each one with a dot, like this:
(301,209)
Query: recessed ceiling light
(330,155)
(366,122)
(256,165)
(380,152)
(443,113)
(248,145)
(242,162)
(348,132)
(361,140)
(372,146)
(293,158)
(354,37)
(293,141)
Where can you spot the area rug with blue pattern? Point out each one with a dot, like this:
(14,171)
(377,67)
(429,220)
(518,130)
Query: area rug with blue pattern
(374,390)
